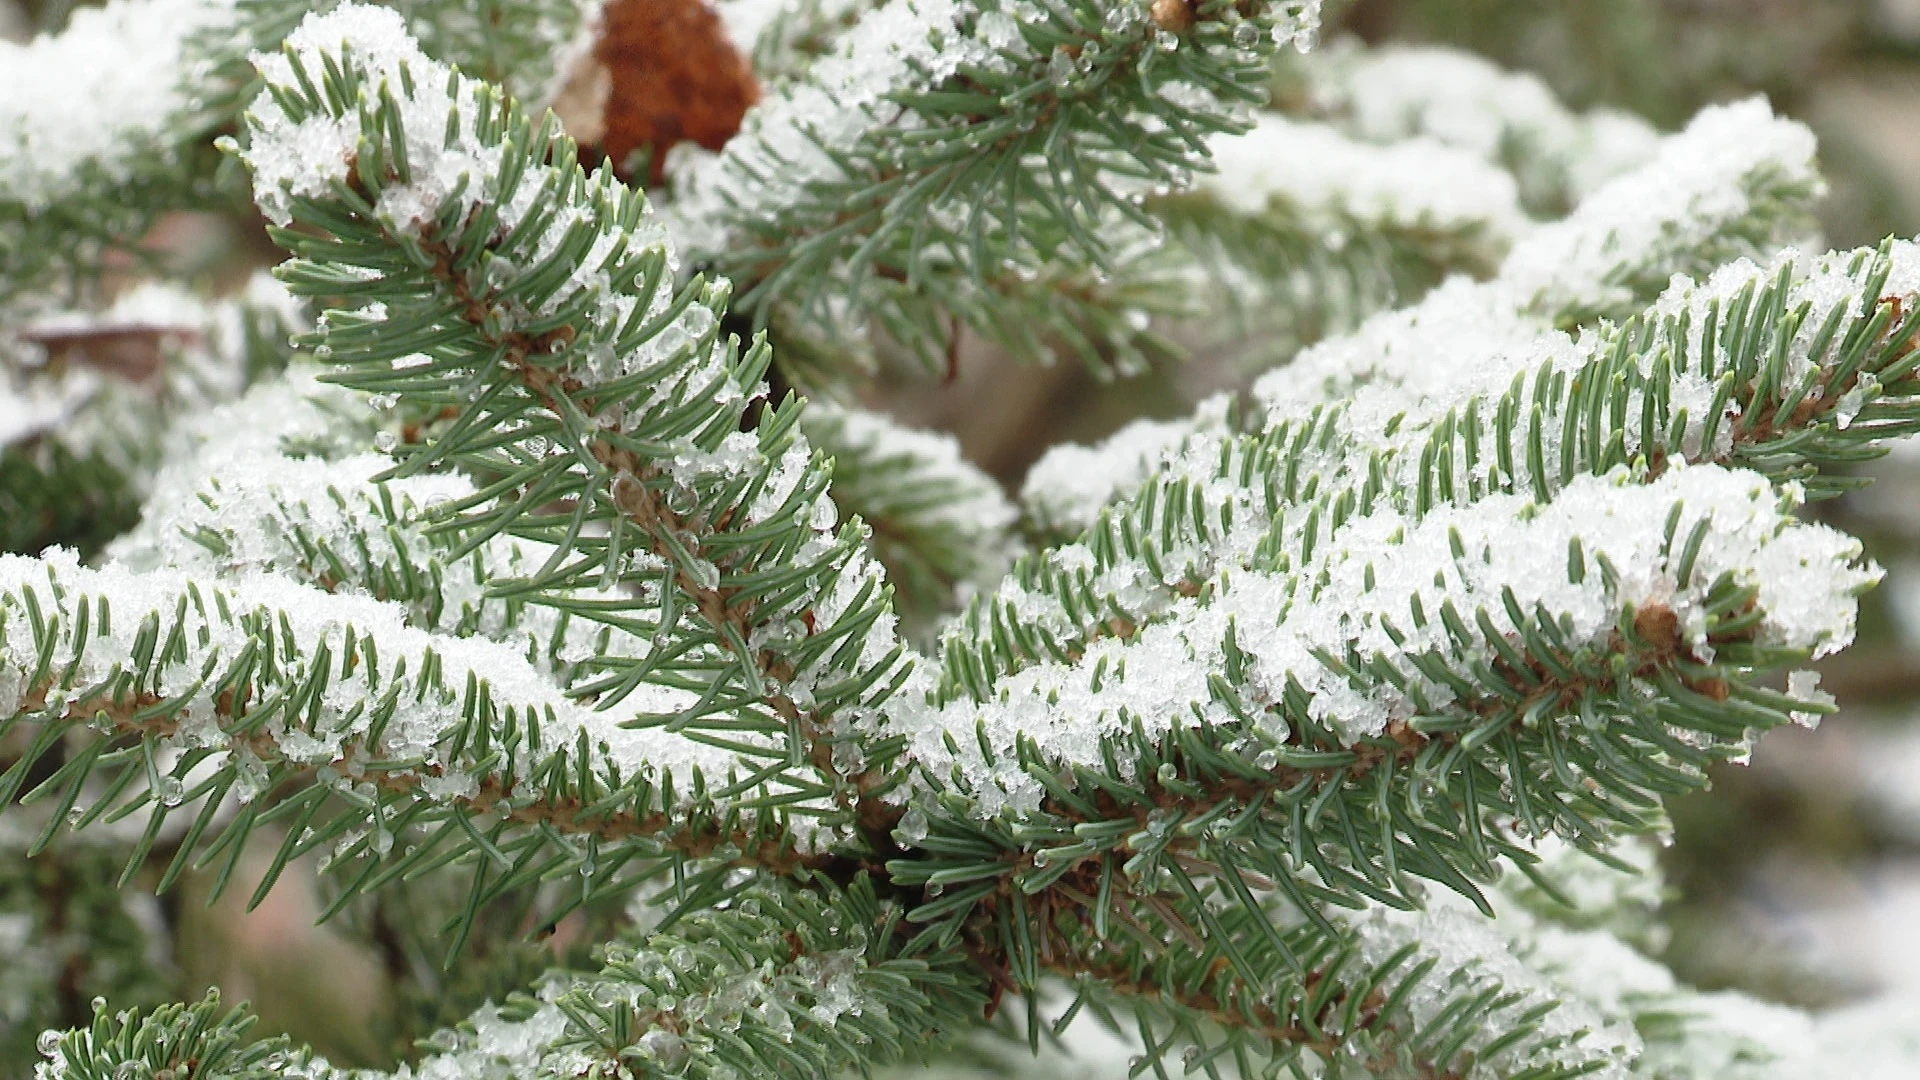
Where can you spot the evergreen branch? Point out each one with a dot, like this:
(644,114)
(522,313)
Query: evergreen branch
(1797,371)
(1376,993)
(197,1041)
(534,302)
(429,750)
(800,983)
(1005,739)
(972,137)
(1440,992)
(1497,662)
(1216,1018)
(1461,593)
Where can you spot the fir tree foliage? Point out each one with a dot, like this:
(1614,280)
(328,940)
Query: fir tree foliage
(1318,734)
(948,151)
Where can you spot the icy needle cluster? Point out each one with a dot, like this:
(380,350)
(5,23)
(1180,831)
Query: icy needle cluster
(1391,622)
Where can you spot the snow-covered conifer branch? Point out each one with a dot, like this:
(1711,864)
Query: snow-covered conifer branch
(535,305)
(1448,992)
(1304,231)
(972,140)
(1644,1022)
(1313,172)
(1737,182)
(814,980)
(1495,653)
(1032,692)
(103,96)
(456,744)
(1794,369)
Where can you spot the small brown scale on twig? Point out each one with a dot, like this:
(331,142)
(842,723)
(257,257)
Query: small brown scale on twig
(1659,626)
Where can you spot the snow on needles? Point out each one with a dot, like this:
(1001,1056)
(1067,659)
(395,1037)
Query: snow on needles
(1704,191)
(803,135)
(1391,93)
(1367,409)
(100,95)
(1322,174)
(1423,350)
(1067,487)
(1375,592)
(787,142)
(453,171)
(292,158)
(222,624)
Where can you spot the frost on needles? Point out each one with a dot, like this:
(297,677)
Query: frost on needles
(1321,733)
